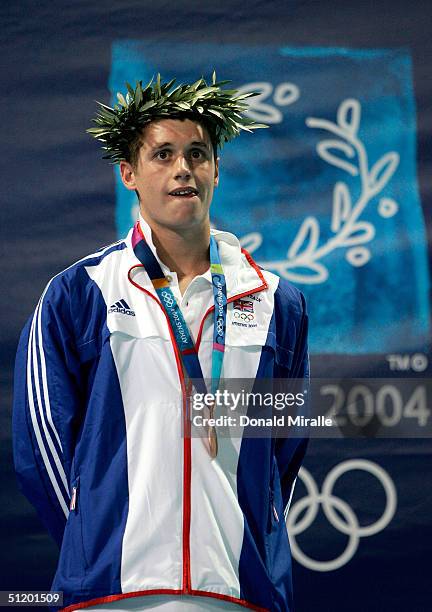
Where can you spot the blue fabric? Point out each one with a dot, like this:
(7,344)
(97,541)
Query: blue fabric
(267,467)
(80,366)
(73,326)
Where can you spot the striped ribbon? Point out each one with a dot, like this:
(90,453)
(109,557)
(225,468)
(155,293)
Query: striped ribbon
(179,326)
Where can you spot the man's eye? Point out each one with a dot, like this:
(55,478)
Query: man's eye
(162,154)
(196,153)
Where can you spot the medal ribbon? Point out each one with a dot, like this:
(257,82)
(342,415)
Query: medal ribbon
(181,331)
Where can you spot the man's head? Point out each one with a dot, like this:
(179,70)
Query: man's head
(179,118)
(174,173)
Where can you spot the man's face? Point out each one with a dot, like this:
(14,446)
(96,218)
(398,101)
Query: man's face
(175,155)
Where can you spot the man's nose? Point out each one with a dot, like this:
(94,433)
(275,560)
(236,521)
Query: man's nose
(182,168)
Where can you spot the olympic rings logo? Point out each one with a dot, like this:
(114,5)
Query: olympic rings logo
(219,327)
(244,316)
(334,508)
(167,298)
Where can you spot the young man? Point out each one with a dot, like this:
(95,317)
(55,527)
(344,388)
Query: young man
(147,516)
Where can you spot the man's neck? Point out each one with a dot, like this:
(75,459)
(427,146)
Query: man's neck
(185,252)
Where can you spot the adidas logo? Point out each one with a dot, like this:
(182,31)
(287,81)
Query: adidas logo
(122,307)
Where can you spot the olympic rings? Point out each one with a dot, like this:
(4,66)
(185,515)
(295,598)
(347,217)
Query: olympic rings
(219,327)
(243,315)
(349,524)
(167,298)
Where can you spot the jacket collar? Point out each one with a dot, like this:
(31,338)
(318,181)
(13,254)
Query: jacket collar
(242,274)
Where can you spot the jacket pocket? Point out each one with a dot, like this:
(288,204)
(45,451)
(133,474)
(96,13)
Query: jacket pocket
(273,515)
(283,356)
(72,562)
(73,507)
(273,512)
(275,520)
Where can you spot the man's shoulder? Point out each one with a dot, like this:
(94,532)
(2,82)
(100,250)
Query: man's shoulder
(76,275)
(290,293)
(288,299)
(287,296)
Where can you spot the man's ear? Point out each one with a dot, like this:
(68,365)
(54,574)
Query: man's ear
(216,176)
(127,175)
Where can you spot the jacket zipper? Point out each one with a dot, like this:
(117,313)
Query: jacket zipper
(187,582)
(186,579)
(187,468)
(187,454)
(187,460)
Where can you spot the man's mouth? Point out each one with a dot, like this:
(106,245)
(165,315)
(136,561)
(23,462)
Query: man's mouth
(184,192)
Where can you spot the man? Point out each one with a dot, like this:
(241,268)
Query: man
(146,515)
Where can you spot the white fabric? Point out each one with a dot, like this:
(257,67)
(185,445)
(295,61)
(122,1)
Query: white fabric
(165,603)
(195,301)
(148,377)
(208,484)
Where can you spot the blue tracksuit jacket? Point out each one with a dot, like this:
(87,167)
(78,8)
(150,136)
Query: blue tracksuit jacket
(99,406)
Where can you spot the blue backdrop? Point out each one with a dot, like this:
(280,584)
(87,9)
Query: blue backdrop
(335,196)
(328,196)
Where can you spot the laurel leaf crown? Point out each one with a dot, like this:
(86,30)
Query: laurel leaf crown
(220,109)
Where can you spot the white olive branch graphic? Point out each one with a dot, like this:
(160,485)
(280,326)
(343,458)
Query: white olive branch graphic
(347,152)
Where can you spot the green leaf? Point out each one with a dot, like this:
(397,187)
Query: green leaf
(247,95)
(107,108)
(138,97)
(195,85)
(229,92)
(167,86)
(184,105)
(206,90)
(121,99)
(243,127)
(215,112)
(157,86)
(175,92)
(147,105)
(148,84)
